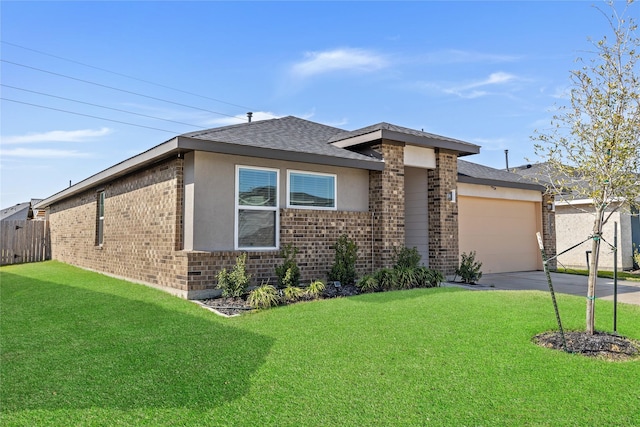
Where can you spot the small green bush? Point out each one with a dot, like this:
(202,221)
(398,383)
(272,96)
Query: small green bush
(292,293)
(404,277)
(469,270)
(344,266)
(636,257)
(264,296)
(367,283)
(407,257)
(234,284)
(315,289)
(386,279)
(427,278)
(288,273)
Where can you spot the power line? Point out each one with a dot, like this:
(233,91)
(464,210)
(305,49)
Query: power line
(127,76)
(117,89)
(87,115)
(101,106)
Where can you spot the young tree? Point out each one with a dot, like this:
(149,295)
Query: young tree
(593,147)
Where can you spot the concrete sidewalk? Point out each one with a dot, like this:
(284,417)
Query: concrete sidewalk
(628,292)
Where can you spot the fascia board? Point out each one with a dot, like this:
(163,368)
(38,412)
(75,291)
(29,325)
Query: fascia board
(497,183)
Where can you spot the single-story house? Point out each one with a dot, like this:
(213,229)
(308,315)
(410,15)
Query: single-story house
(173,216)
(22,211)
(574,224)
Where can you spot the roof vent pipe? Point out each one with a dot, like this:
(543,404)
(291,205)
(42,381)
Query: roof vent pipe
(506,158)
(249,115)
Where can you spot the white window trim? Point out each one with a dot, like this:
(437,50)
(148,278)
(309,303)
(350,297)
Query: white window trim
(318,208)
(238,206)
(100,224)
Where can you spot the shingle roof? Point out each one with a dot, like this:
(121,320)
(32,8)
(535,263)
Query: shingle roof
(286,134)
(412,136)
(475,173)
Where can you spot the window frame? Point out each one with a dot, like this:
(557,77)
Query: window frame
(323,174)
(238,207)
(100,217)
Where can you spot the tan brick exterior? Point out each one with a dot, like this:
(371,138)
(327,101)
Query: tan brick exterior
(443,213)
(386,202)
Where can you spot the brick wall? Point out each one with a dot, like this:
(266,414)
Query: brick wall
(386,201)
(443,214)
(142,225)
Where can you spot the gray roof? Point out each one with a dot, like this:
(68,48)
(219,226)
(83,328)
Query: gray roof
(407,135)
(18,211)
(474,173)
(289,133)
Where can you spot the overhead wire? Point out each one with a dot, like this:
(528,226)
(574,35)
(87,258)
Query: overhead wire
(87,115)
(117,89)
(128,76)
(101,106)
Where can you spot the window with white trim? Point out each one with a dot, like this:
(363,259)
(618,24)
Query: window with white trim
(100,219)
(311,190)
(257,219)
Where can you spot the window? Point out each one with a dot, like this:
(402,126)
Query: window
(100,219)
(311,190)
(257,222)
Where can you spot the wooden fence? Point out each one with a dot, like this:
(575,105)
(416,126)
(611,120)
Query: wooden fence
(24,241)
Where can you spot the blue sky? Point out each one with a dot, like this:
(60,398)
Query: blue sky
(489,73)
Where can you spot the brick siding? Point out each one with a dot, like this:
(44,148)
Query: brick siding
(443,214)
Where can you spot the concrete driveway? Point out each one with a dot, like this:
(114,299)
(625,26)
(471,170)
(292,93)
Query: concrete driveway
(628,292)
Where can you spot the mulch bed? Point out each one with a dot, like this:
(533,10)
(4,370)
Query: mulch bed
(600,345)
(238,306)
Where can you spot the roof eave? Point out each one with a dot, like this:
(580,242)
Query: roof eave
(497,183)
(463,148)
(182,144)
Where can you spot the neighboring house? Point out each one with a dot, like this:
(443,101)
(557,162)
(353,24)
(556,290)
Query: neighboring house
(22,211)
(574,221)
(175,215)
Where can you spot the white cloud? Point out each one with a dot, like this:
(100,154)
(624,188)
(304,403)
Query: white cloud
(80,135)
(45,153)
(473,90)
(338,59)
(492,143)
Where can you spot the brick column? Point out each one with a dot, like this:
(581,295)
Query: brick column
(549,229)
(386,201)
(443,214)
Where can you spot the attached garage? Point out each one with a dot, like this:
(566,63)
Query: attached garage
(498,220)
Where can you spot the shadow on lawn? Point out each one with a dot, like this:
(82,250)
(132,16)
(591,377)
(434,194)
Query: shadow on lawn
(68,347)
(399,295)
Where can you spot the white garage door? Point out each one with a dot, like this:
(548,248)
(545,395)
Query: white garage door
(502,232)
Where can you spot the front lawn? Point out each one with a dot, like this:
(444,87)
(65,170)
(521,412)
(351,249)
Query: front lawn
(79,348)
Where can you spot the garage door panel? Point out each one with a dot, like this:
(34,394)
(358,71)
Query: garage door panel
(501,232)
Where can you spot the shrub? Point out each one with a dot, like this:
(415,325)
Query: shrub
(292,293)
(636,257)
(386,279)
(367,283)
(344,266)
(315,289)
(405,257)
(427,278)
(404,277)
(234,284)
(469,270)
(264,296)
(288,273)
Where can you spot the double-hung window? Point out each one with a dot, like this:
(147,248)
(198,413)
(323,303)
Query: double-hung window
(311,190)
(257,222)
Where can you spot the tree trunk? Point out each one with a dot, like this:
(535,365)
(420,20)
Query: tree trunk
(593,270)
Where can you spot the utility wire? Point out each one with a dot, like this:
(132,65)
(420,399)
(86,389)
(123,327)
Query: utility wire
(88,115)
(129,77)
(101,106)
(117,89)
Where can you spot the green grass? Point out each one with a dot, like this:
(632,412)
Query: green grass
(622,275)
(79,348)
